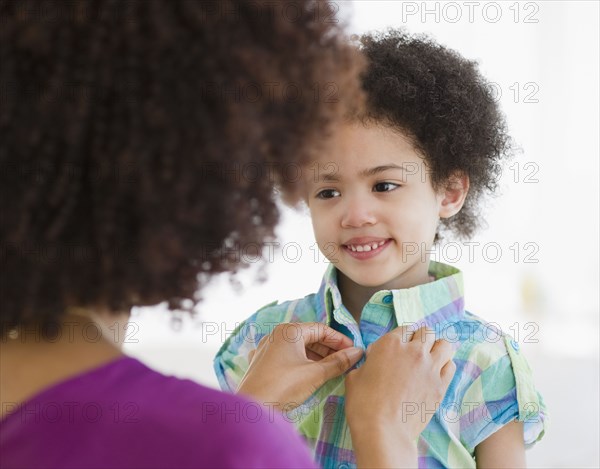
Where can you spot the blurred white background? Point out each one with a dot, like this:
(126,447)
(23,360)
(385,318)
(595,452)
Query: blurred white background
(535,269)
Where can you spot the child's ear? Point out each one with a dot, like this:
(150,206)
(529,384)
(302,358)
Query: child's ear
(452,196)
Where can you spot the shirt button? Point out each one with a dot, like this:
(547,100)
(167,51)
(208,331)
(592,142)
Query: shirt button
(387,299)
(514,345)
(344,466)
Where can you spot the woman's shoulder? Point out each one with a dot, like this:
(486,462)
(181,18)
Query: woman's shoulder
(217,426)
(147,419)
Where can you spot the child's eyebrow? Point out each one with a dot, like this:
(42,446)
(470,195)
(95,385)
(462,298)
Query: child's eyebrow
(330,178)
(380,169)
(333,177)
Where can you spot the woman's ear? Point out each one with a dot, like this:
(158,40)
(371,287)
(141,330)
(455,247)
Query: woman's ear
(452,196)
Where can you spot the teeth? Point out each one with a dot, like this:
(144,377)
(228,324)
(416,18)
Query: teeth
(366,247)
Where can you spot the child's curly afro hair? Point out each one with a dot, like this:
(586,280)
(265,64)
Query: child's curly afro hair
(447,108)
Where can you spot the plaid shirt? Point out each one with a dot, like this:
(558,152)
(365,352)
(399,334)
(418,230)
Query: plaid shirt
(492,385)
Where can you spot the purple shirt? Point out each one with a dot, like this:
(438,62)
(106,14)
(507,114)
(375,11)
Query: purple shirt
(123,414)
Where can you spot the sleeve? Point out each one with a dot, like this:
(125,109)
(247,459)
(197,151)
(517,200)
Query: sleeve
(532,409)
(504,391)
(231,361)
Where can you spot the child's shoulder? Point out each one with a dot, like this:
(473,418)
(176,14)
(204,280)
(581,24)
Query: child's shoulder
(480,341)
(490,356)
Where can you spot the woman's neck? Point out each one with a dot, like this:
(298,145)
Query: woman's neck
(35,357)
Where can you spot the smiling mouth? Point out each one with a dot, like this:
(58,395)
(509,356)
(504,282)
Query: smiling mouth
(366,247)
(368,250)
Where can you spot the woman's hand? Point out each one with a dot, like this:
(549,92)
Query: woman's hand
(294,360)
(391,398)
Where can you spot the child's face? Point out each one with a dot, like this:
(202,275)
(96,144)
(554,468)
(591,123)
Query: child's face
(374,220)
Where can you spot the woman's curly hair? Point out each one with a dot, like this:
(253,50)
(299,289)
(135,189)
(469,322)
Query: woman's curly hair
(445,106)
(141,140)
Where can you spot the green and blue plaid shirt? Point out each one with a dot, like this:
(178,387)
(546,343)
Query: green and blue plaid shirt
(492,385)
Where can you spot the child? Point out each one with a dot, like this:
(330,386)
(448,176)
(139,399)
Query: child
(420,157)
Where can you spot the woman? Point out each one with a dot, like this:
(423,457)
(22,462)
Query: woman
(128,131)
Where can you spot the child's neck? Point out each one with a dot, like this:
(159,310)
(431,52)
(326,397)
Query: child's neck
(356,296)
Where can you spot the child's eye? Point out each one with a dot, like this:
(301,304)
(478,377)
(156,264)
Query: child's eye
(328,194)
(385,187)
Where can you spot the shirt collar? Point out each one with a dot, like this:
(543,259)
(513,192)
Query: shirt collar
(439,300)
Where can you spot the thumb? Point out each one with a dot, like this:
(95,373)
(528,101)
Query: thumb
(337,363)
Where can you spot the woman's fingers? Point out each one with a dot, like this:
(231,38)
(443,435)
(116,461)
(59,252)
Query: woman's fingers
(405,333)
(311,333)
(314,356)
(319,333)
(339,362)
(318,340)
(424,335)
(442,351)
(294,360)
(323,341)
(447,372)
(320,350)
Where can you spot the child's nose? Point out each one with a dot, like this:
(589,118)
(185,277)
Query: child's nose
(358,213)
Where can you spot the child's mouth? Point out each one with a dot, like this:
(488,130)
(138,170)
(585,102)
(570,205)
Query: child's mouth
(366,250)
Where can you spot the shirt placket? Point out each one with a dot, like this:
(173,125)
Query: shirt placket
(377,319)
(343,317)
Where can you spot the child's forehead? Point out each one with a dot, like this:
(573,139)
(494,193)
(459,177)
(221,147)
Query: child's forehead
(358,148)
